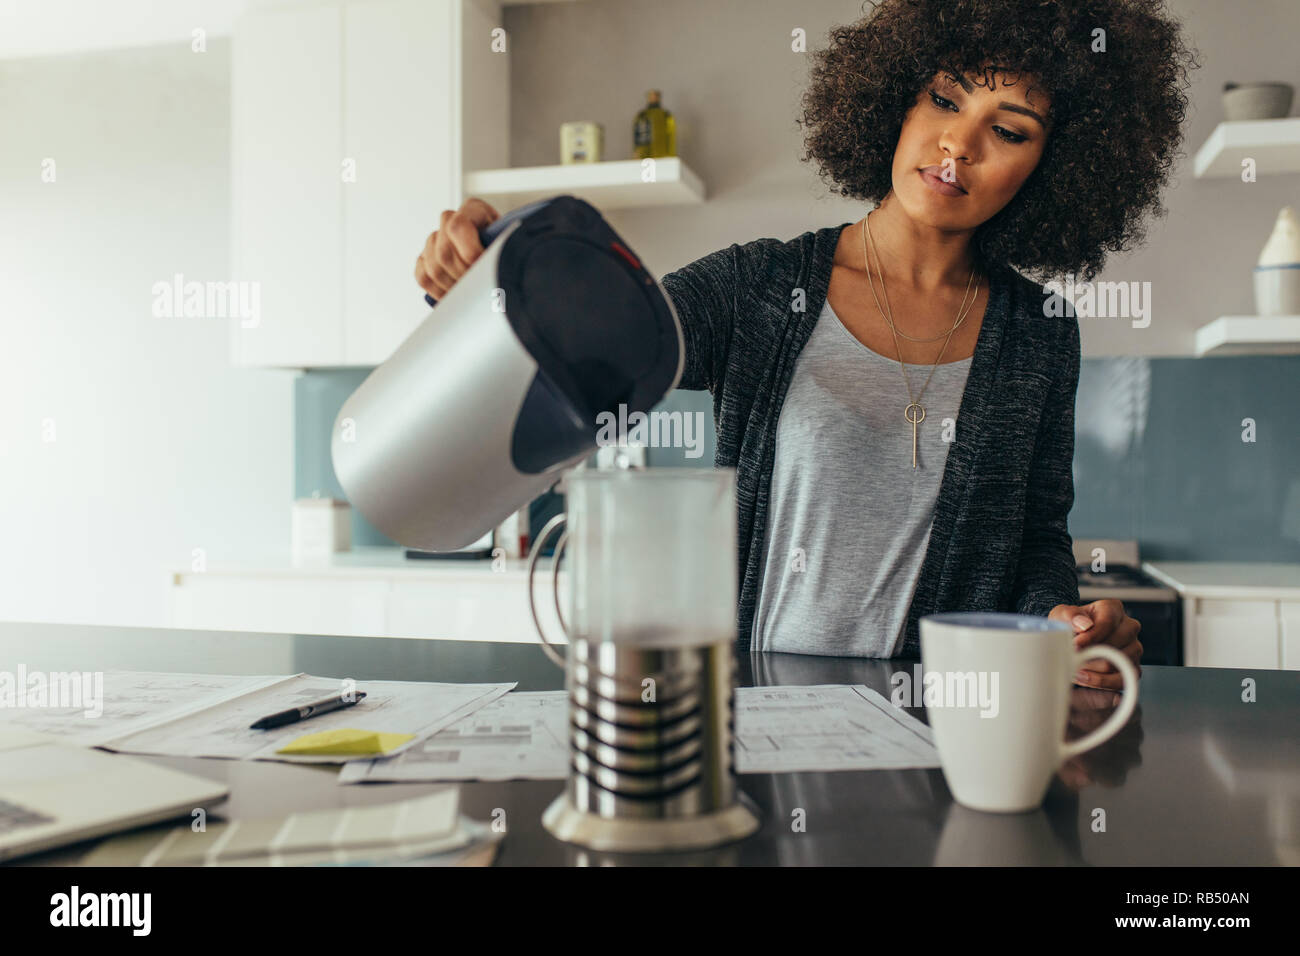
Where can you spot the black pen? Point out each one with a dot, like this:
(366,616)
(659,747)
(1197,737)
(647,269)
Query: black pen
(295,714)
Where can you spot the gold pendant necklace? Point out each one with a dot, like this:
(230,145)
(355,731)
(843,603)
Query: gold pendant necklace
(914,413)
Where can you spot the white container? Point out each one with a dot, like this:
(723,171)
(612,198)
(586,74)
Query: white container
(1277,290)
(1277,274)
(321,527)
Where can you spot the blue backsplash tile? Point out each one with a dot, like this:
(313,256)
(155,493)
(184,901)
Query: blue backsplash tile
(1159,455)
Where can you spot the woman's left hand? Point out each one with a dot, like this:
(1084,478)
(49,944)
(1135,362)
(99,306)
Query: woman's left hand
(1101,622)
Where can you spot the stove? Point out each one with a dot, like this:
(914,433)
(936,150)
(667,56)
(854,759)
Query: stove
(1152,603)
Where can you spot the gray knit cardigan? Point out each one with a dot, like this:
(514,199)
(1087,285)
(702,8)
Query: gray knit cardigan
(1000,540)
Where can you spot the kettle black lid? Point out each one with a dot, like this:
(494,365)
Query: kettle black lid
(585,307)
(599,327)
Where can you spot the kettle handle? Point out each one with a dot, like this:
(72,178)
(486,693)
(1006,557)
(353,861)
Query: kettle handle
(536,552)
(488,234)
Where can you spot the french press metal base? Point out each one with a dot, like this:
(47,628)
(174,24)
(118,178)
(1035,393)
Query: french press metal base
(651,750)
(651,741)
(566,822)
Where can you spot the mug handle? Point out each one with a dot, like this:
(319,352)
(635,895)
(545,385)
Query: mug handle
(1122,713)
(533,555)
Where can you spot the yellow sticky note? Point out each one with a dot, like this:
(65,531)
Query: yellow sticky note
(345,740)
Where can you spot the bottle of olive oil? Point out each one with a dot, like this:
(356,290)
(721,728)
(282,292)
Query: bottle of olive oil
(654,133)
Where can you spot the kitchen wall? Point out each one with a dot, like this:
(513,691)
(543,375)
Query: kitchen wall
(1159,454)
(127,441)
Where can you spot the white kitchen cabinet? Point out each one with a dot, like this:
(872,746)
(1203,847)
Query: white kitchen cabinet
(490,607)
(369,592)
(1234,633)
(398,107)
(351,128)
(287,205)
(279,604)
(1236,613)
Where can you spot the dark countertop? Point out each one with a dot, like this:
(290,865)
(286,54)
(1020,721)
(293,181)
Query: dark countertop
(1197,777)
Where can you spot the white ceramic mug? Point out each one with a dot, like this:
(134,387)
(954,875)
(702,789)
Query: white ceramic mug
(1002,700)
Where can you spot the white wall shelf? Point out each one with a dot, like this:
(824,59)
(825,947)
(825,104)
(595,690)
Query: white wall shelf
(1249,335)
(616,184)
(1274,144)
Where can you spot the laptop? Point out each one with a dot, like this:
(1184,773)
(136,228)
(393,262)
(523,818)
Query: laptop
(53,794)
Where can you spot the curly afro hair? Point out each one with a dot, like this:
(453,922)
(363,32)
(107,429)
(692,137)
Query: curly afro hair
(1115,122)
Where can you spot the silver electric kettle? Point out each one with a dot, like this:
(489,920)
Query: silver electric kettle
(498,390)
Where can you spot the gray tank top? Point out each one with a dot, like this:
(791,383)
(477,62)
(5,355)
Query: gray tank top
(849,520)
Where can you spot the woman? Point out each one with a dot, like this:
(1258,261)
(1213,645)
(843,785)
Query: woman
(993,137)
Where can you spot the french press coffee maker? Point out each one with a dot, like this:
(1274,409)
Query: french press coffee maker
(651,667)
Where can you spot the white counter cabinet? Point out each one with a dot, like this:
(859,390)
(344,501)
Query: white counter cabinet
(1236,614)
(368,592)
(352,124)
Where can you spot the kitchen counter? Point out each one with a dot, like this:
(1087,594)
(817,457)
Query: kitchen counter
(366,562)
(1229,579)
(1197,777)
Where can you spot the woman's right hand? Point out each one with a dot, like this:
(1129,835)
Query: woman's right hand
(454,247)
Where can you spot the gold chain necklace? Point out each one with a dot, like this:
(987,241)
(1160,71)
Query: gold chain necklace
(914,413)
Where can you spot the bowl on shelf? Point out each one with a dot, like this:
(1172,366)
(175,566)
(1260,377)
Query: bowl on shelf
(1256,101)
